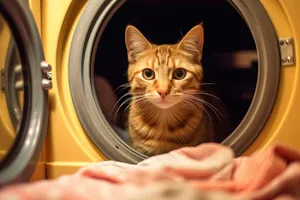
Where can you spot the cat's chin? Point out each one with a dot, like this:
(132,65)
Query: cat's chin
(165,105)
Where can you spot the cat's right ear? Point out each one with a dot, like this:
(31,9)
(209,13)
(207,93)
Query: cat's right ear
(135,43)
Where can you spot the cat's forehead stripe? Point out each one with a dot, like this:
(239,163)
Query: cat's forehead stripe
(169,55)
(157,57)
(163,55)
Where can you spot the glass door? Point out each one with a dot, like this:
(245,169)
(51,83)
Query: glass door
(25,79)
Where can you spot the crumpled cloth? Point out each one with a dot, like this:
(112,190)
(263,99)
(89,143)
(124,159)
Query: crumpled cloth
(208,171)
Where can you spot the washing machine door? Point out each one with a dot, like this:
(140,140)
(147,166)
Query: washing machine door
(25,79)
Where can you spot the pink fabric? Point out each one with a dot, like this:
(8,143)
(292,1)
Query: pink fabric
(208,168)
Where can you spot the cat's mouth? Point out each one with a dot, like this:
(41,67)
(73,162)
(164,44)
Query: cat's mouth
(165,103)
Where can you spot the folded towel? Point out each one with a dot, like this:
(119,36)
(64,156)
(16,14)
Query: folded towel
(208,171)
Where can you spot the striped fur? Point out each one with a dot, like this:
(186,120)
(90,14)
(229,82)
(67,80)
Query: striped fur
(153,129)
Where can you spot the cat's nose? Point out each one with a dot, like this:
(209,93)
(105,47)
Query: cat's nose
(163,93)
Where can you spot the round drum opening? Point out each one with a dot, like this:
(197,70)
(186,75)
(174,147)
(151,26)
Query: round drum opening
(240,66)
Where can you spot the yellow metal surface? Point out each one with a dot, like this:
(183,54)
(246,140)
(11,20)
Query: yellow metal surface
(40,171)
(35,7)
(283,126)
(68,147)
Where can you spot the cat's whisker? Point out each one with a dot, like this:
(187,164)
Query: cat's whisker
(134,101)
(123,86)
(211,95)
(208,104)
(121,90)
(200,99)
(199,103)
(122,97)
(191,103)
(116,113)
(125,95)
(123,103)
(207,113)
(202,93)
(214,109)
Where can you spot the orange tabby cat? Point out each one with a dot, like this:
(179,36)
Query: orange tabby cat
(166,112)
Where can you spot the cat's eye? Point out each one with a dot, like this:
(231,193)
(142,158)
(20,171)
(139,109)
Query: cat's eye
(179,73)
(148,74)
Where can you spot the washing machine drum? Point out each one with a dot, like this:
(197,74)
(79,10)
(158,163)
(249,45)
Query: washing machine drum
(98,18)
(25,79)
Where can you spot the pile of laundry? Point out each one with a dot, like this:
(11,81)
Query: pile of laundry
(208,171)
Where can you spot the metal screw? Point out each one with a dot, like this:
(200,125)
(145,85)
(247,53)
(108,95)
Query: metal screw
(47,84)
(288,41)
(290,59)
(281,42)
(283,60)
(46,67)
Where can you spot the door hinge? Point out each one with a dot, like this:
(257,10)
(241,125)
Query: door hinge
(287,51)
(47,80)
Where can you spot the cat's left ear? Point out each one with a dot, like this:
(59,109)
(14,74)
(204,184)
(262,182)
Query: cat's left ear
(192,42)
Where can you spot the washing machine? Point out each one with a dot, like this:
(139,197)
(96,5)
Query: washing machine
(252,52)
(87,38)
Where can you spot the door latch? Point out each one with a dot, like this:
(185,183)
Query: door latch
(287,51)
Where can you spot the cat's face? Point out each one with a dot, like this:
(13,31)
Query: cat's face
(164,75)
